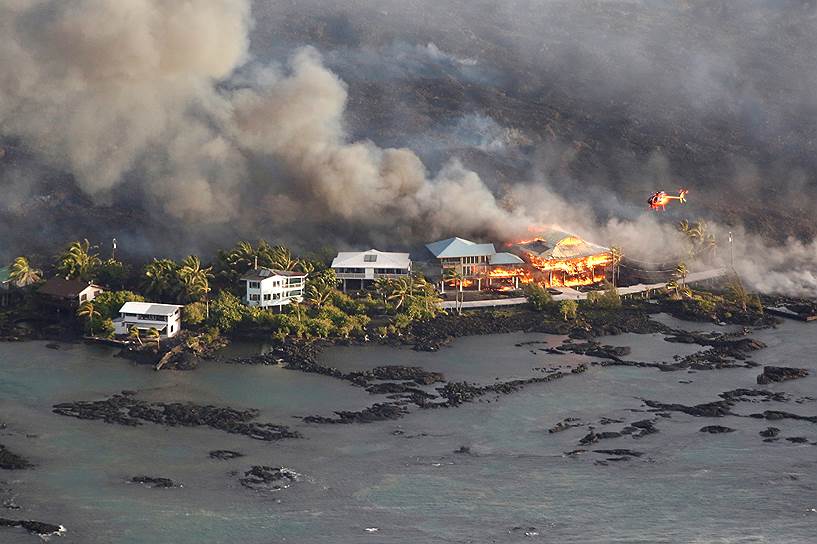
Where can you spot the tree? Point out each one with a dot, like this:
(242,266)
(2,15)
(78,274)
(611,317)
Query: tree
(89,312)
(681,273)
(154,334)
(738,293)
(112,273)
(22,274)
(568,309)
(538,297)
(78,261)
(383,286)
(195,280)
(227,311)
(608,298)
(194,313)
(231,264)
(615,256)
(161,279)
(455,276)
(133,334)
(109,302)
(401,290)
(281,259)
(318,292)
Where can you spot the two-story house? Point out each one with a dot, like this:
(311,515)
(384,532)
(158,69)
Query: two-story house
(166,318)
(269,288)
(360,269)
(476,263)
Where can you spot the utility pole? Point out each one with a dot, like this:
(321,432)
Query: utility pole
(731,252)
(113,249)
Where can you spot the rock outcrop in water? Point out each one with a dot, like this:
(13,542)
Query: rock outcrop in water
(772,374)
(124,409)
(12,461)
(264,478)
(35,527)
(153,481)
(716,429)
(225,455)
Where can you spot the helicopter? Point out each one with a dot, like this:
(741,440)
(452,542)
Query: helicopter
(659,200)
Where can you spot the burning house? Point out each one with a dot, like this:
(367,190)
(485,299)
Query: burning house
(560,259)
(552,259)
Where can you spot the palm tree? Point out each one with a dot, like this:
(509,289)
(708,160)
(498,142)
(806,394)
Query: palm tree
(615,256)
(710,244)
(282,259)
(78,261)
(455,276)
(133,334)
(383,286)
(681,273)
(297,309)
(154,334)
(195,280)
(87,310)
(22,274)
(161,278)
(306,266)
(402,290)
(318,292)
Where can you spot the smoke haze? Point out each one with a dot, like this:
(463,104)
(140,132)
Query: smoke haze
(179,125)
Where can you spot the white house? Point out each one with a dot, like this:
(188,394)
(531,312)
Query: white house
(269,288)
(479,264)
(166,318)
(359,269)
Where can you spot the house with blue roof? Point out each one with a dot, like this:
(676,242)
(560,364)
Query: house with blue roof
(475,262)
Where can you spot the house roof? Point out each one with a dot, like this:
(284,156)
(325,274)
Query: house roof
(459,247)
(505,258)
(148,308)
(262,273)
(63,288)
(561,245)
(371,259)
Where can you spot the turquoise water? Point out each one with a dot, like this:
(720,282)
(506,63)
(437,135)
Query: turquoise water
(688,487)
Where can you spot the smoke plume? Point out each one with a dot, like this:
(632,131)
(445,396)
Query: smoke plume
(221,119)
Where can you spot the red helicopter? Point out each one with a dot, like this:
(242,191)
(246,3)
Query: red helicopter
(659,200)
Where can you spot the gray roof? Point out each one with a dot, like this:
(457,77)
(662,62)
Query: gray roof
(459,247)
(261,273)
(379,259)
(505,258)
(148,308)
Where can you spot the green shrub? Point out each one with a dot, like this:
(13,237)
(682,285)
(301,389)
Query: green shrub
(194,313)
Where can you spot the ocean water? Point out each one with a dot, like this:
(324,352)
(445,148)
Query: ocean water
(368,483)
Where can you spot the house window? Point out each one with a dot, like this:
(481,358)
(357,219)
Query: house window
(255,297)
(255,285)
(267,296)
(171,328)
(83,298)
(370,258)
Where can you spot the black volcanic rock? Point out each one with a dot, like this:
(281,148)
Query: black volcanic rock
(124,409)
(224,455)
(34,527)
(153,481)
(261,477)
(716,429)
(779,374)
(12,461)
(769,432)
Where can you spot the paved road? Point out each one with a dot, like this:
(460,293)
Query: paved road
(571,294)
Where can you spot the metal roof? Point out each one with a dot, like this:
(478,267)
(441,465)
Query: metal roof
(505,258)
(262,273)
(148,308)
(459,247)
(371,259)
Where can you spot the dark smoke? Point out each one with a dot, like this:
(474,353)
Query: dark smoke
(180,126)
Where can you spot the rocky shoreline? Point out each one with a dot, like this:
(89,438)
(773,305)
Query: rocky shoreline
(125,409)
